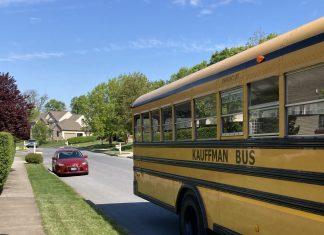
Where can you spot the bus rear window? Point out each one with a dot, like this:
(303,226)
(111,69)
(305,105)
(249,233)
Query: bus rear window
(137,128)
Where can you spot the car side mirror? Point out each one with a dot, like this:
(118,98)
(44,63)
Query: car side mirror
(54,158)
(85,156)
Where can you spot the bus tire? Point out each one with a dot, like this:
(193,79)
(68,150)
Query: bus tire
(190,217)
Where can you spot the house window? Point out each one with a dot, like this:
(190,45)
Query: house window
(137,128)
(205,117)
(232,114)
(183,123)
(155,120)
(146,126)
(264,107)
(305,101)
(57,134)
(79,134)
(167,123)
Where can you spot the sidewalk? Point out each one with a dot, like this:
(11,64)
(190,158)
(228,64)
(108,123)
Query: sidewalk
(18,210)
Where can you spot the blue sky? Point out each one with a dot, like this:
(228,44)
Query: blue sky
(63,48)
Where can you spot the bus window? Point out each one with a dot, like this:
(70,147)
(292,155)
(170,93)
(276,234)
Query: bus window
(183,121)
(232,112)
(155,120)
(146,126)
(205,117)
(264,107)
(167,123)
(137,128)
(305,101)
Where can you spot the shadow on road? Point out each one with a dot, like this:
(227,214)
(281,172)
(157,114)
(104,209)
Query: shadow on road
(140,218)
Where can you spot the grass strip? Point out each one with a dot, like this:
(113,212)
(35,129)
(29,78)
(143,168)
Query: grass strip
(63,211)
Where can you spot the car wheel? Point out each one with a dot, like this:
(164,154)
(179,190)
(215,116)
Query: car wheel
(191,219)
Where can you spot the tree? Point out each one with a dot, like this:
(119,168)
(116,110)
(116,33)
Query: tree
(257,38)
(124,90)
(14,108)
(101,115)
(79,104)
(55,105)
(185,71)
(41,132)
(37,101)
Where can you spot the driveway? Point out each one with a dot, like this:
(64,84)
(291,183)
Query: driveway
(109,186)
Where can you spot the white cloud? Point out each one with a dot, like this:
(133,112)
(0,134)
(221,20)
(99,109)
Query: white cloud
(35,20)
(207,7)
(4,3)
(31,56)
(181,45)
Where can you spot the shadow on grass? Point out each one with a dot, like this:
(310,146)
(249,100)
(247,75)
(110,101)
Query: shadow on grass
(106,218)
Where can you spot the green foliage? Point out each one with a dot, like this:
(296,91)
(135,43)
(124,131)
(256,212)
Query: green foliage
(7,153)
(257,38)
(226,53)
(82,139)
(79,105)
(55,105)
(41,132)
(185,71)
(206,132)
(184,134)
(34,158)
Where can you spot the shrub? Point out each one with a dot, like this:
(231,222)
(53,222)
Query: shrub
(34,158)
(7,153)
(82,139)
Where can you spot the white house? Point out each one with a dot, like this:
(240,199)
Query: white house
(64,125)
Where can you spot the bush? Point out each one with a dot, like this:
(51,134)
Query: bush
(34,158)
(82,139)
(7,153)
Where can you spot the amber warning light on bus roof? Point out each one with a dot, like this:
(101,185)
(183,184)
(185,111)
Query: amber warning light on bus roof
(260,58)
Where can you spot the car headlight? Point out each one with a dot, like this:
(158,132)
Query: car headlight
(60,164)
(84,163)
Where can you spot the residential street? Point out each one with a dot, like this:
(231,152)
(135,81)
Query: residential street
(109,186)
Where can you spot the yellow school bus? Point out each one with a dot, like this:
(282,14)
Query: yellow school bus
(238,147)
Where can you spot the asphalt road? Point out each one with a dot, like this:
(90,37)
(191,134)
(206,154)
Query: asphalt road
(109,186)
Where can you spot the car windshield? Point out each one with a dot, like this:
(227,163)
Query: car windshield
(69,154)
(31,140)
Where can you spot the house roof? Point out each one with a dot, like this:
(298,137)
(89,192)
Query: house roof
(285,43)
(69,125)
(57,115)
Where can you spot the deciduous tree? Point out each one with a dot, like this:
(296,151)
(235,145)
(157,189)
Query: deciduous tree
(55,105)
(79,104)
(14,108)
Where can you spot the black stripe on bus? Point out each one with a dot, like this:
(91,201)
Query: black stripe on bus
(270,56)
(156,202)
(281,200)
(270,143)
(308,177)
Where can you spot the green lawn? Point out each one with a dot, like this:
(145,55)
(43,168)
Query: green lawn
(63,211)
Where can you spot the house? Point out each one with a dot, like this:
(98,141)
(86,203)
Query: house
(64,124)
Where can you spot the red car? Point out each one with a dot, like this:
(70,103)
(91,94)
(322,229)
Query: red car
(67,161)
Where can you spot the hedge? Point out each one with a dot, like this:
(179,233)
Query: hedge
(34,158)
(82,139)
(7,153)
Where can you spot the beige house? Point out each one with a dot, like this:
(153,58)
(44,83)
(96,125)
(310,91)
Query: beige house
(64,125)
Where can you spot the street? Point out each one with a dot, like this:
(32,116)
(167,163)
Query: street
(109,186)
